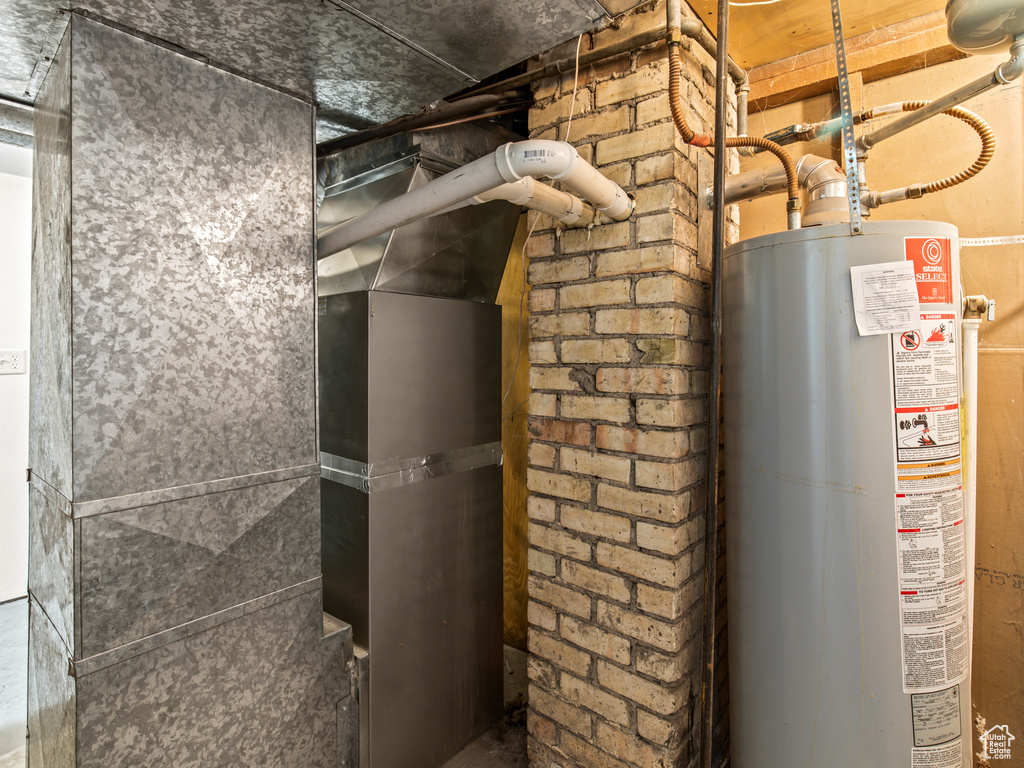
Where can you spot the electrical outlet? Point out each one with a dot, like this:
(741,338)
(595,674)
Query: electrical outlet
(12,361)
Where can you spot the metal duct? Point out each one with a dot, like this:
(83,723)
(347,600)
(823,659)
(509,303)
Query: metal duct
(459,255)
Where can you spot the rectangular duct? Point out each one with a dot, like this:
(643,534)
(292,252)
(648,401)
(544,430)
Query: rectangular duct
(410,432)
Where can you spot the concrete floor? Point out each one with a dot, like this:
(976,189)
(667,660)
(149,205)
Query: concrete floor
(13,665)
(504,746)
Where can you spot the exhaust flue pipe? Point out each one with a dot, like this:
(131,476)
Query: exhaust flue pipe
(512,162)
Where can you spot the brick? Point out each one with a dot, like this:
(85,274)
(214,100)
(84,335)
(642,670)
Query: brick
(543,405)
(594,640)
(669,540)
(594,464)
(596,700)
(656,730)
(666,508)
(657,138)
(668,668)
(559,653)
(559,542)
(653,109)
(541,299)
(560,598)
(661,699)
(559,270)
(561,324)
(541,728)
(601,123)
(598,238)
(648,442)
(669,476)
(670,289)
(596,351)
(642,19)
(641,83)
(661,167)
(599,524)
(539,508)
(594,294)
(541,672)
(541,352)
(541,562)
(667,572)
(621,173)
(599,408)
(562,486)
(540,246)
(662,197)
(666,226)
(573,432)
(670,413)
(541,455)
(659,258)
(626,745)
(643,381)
(558,110)
(649,320)
(552,378)
(562,712)
(664,635)
(586,754)
(601,582)
(546,88)
(541,616)
(671,352)
(668,603)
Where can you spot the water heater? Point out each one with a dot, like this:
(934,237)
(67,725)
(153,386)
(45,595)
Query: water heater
(848,627)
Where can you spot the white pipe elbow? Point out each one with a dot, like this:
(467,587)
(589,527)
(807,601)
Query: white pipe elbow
(560,161)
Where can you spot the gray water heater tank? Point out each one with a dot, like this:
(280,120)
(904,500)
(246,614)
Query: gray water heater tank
(848,635)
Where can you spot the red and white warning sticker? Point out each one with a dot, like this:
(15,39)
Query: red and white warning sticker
(930,538)
(933,268)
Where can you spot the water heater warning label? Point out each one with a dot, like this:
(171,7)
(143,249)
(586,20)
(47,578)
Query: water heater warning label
(930,538)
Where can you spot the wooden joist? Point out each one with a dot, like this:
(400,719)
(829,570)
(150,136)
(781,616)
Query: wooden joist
(875,55)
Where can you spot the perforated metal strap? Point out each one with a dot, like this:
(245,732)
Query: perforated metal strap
(980,242)
(846,108)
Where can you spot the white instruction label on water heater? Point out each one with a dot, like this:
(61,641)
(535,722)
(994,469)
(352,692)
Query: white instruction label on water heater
(947,756)
(936,717)
(930,537)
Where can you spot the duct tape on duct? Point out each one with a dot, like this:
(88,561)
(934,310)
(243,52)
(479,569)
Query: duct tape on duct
(382,475)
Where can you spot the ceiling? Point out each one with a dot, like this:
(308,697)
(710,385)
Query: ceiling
(760,32)
(368,61)
(362,61)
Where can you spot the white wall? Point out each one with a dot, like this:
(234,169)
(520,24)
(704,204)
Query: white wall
(15,262)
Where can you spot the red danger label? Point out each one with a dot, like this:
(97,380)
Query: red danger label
(933,267)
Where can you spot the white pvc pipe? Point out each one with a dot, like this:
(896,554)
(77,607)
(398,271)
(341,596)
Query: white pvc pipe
(970,340)
(510,163)
(537,196)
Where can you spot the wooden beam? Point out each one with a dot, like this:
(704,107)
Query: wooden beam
(875,55)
